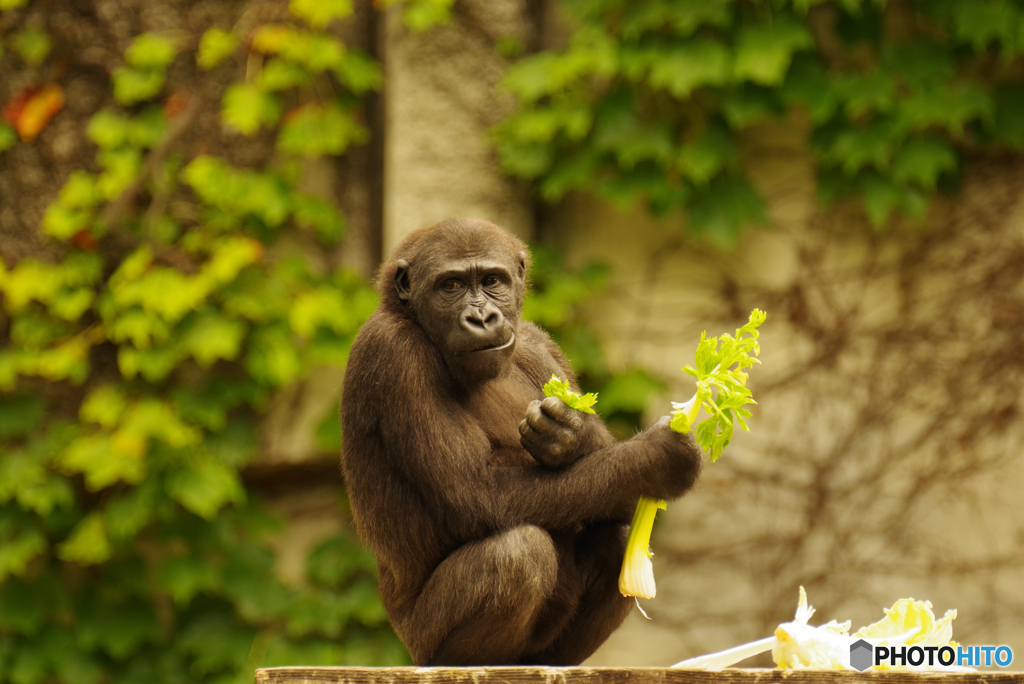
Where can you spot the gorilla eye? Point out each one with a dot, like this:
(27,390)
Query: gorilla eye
(452,286)
(491,281)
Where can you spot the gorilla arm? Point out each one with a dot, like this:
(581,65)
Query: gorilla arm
(446,457)
(406,424)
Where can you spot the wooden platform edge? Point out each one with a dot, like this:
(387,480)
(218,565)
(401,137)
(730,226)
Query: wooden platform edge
(616,675)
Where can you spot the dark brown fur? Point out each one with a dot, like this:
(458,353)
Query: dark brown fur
(498,520)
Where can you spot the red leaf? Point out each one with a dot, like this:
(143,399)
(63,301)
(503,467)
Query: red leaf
(31,109)
(85,240)
(174,104)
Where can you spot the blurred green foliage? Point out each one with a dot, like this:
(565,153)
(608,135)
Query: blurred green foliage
(649,100)
(420,15)
(137,360)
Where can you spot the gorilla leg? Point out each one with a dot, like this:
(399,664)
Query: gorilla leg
(480,604)
(601,608)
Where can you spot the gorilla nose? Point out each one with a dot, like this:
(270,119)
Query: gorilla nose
(482,321)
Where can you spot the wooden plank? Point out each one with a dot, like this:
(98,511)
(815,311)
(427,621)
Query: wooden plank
(615,675)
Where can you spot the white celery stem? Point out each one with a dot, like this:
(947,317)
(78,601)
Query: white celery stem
(637,576)
(730,656)
(691,415)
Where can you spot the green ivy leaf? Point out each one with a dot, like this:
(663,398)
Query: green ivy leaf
(130,512)
(204,486)
(631,140)
(950,106)
(422,15)
(856,148)
(136,85)
(46,496)
(278,74)
(19,545)
(765,51)
(314,130)
(272,357)
(881,198)
(684,19)
(359,72)
(63,222)
(1008,122)
(215,642)
(246,108)
(328,433)
(79,191)
(336,560)
(121,168)
(215,46)
(320,215)
(7,137)
(19,415)
(32,45)
(104,461)
(690,65)
(703,158)
(747,103)
(214,337)
(187,576)
(526,160)
(922,160)
(250,583)
(870,92)
(808,84)
(722,210)
(983,21)
(107,129)
(23,604)
(88,543)
(146,129)
(151,52)
(320,13)
(104,406)
(119,628)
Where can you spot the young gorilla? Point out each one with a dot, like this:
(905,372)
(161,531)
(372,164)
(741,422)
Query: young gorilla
(498,517)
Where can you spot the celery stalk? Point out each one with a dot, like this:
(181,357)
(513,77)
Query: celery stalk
(722,393)
(637,575)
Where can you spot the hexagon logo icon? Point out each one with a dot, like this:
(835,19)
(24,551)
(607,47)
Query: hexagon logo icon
(862,655)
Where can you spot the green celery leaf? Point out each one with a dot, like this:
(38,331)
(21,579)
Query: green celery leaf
(556,387)
(715,374)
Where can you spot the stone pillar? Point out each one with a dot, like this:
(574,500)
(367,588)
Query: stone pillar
(442,97)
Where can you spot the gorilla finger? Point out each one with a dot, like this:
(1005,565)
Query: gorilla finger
(533,411)
(536,446)
(557,409)
(542,422)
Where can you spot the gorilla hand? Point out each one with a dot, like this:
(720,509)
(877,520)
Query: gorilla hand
(553,433)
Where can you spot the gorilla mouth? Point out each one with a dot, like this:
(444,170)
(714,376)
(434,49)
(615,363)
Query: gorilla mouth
(495,347)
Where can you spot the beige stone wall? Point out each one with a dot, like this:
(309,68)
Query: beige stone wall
(885,458)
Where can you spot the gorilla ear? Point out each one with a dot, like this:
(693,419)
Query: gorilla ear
(402,285)
(522,265)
